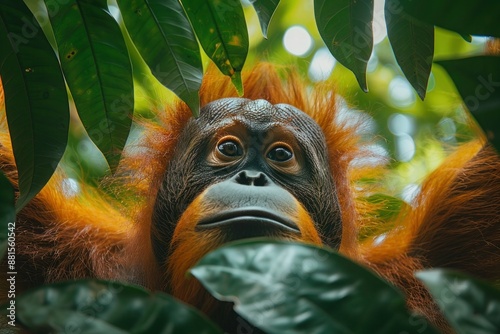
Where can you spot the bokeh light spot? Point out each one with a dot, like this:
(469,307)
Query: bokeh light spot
(297,41)
(400,124)
(322,65)
(401,92)
(405,147)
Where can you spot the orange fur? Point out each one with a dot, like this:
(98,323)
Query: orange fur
(2,98)
(190,246)
(454,223)
(493,46)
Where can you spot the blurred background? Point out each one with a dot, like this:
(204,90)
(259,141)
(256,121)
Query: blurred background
(414,135)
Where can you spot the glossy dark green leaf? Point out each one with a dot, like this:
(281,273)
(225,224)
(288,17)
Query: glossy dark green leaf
(36,101)
(466,17)
(413,44)
(265,10)
(97,68)
(470,305)
(92,306)
(346,28)
(7,213)
(478,82)
(163,35)
(221,29)
(282,287)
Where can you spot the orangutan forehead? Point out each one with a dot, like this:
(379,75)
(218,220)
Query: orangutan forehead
(254,110)
(258,113)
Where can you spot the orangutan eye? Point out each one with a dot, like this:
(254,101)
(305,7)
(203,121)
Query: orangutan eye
(230,149)
(280,154)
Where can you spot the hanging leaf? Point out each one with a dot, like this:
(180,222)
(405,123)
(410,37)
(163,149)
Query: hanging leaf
(7,214)
(163,35)
(36,101)
(221,29)
(413,44)
(463,16)
(265,10)
(92,306)
(478,82)
(470,305)
(346,28)
(97,68)
(282,287)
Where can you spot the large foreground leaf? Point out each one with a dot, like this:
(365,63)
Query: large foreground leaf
(97,68)
(413,44)
(36,101)
(162,34)
(91,306)
(7,213)
(346,28)
(222,32)
(478,82)
(470,305)
(282,287)
(467,17)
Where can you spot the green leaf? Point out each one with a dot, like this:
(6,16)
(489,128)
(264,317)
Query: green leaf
(470,305)
(478,82)
(97,68)
(221,29)
(282,287)
(346,28)
(7,212)
(413,44)
(36,100)
(463,16)
(92,306)
(162,34)
(265,10)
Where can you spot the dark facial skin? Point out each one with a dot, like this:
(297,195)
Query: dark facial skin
(252,156)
